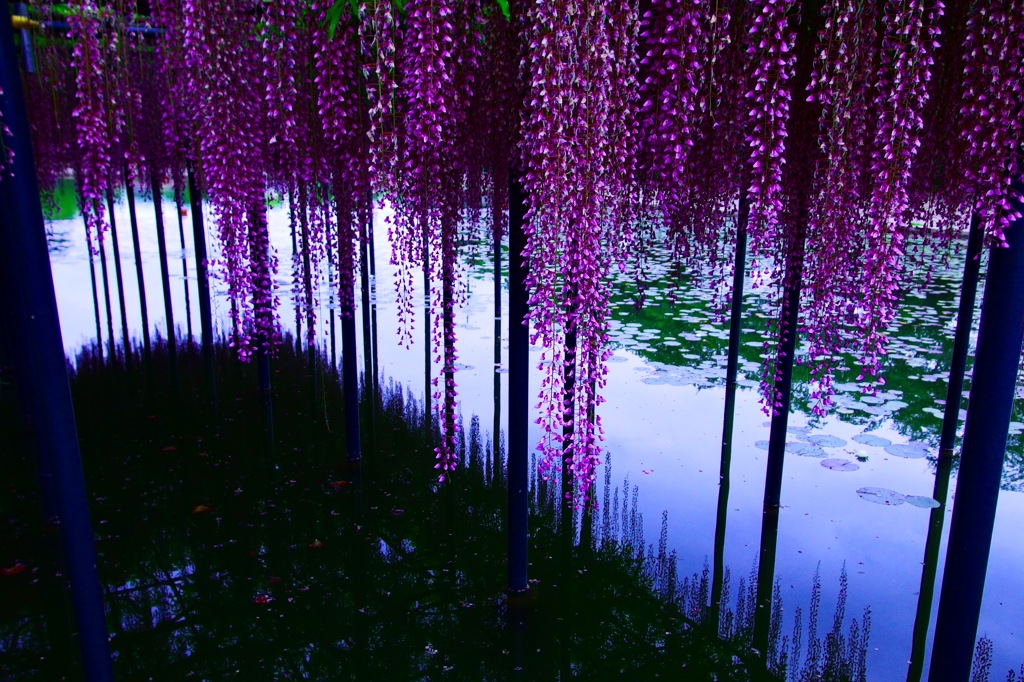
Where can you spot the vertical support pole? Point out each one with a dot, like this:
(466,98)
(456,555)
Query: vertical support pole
(427,408)
(449,254)
(307,290)
(348,237)
(994,378)
(165,271)
(567,503)
(950,420)
(518,392)
(137,248)
(369,294)
(195,198)
(777,437)
(731,372)
(496,424)
(95,300)
(184,257)
(31,298)
(112,353)
(127,339)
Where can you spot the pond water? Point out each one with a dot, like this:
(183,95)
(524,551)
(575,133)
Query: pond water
(857,484)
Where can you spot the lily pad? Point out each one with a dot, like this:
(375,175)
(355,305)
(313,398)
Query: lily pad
(923,501)
(882,496)
(799,430)
(761,445)
(871,440)
(839,465)
(826,441)
(907,451)
(805,449)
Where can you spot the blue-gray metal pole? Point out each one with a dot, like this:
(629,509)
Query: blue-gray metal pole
(133,220)
(731,373)
(127,339)
(156,185)
(993,383)
(950,420)
(777,438)
(348,238)
(518,392)
(33,302)
(195,198)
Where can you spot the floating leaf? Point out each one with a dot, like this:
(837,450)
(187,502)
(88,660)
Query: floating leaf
(202,509)
(839,465)
(882,496)
(923,501)
(826,441)
(761,445)
(805,449)
(907,451)
(871,440)
(8,571)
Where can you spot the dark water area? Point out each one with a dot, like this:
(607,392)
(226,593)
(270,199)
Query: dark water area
(234,548)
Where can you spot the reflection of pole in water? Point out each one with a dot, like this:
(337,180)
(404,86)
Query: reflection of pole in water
(950,420)
(133,220)
(28,293)
(120,280)
(777,436)
(731,372)
(993,384)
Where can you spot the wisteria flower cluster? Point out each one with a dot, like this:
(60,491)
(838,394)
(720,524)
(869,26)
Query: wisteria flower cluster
(838,124)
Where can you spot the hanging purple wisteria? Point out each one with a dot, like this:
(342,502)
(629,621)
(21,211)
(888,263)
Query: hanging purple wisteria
(840,124)
(577,136)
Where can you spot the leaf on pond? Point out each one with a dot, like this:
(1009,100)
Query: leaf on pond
(8,571)
(882,496)
(799,430)
(761,445)
(826,441)
(805,449)
(262,599)
(871,440)
(839,465)
(338,485)
(908,451)
(316,544)
(202,509)
(923,501)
